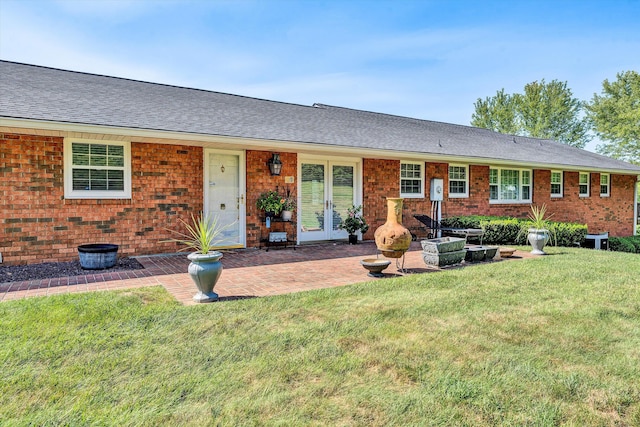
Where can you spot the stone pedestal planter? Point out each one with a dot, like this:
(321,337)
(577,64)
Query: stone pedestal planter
(205,270)
(538,239)
(98,256)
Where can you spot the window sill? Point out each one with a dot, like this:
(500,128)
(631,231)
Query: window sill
(98,197)
(509,202)
(412,196)
(458,196)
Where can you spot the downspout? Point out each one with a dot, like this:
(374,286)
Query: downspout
(635,207)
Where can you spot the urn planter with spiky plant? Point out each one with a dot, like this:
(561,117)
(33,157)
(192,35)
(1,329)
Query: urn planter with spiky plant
(539,229)
(203,234)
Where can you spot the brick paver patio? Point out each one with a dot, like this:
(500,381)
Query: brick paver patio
(250,272)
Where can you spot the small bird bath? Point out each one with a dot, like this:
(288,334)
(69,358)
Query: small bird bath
(375,266)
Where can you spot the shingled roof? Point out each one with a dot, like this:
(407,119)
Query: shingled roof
(47,94)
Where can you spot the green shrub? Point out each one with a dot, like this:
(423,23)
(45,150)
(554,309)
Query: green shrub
(621,244)
(505,231)
(471,221)
(501,231)
(569,234)
(625,244)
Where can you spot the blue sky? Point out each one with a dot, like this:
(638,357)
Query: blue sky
(423,59)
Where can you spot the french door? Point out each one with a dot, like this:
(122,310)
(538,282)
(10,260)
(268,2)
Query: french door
(327,190)
(224,194)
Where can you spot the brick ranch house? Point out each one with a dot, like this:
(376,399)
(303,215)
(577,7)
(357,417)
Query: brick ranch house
(89,159)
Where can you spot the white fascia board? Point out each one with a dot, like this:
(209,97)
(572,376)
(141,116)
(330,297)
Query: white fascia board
(301,147)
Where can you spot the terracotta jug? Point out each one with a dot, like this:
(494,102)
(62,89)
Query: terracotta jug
(392,238)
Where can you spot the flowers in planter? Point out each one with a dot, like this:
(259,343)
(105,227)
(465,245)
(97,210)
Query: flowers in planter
(354,221)
(288,201)
(270,202)
(273,203)
(288,204)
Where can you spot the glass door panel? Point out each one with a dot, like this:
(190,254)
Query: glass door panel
(342,193)
(312,202)
(327,190)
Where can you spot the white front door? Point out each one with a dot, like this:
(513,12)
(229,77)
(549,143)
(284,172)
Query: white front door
(224,193)
(327,190)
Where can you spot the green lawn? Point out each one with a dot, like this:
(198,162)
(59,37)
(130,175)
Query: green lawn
(547,341)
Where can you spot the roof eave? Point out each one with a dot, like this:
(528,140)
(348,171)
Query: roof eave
(207,140)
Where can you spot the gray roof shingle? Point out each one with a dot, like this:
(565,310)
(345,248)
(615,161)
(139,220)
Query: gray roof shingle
(41,93)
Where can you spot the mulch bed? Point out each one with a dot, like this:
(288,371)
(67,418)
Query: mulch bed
(51,270)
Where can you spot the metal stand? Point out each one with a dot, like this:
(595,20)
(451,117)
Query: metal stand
(399,264)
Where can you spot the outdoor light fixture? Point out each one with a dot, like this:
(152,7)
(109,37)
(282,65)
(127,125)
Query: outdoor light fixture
(275,164)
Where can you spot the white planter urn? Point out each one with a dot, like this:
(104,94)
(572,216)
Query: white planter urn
(205,270)
(538,239)
(286,215)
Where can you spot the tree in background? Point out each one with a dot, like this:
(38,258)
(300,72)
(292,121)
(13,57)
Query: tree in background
(544,110)
(615,117)
(497,113)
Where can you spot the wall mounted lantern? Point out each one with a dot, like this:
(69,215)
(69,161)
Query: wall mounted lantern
(275,164)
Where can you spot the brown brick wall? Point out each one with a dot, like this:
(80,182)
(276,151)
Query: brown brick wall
(38,224)
(380,180)
(613,214)
(260,180)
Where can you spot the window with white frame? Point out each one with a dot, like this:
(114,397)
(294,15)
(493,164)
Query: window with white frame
(411,179)
(458,181)
(584,183)
(510,185)
(556,184)
(97,169)
(605,179)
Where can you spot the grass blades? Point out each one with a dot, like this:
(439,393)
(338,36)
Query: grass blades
(548,341)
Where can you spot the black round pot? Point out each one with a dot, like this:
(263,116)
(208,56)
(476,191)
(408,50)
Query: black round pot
(98,256)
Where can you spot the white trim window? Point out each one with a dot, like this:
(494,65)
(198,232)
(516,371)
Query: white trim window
(458,181)
(605,185)
(96,169)
(556,184)
(411,179)
(509,185)
(584,182)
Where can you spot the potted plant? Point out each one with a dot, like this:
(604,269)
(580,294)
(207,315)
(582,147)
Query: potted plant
(538,228)
(353,223)
(288,206)
(202,235)
(270,202)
